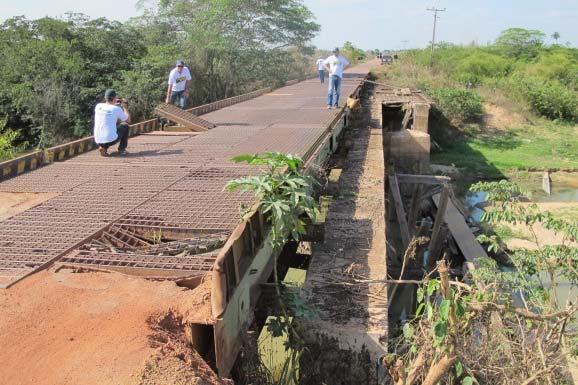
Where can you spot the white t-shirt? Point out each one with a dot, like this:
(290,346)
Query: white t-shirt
(320,64)
(105,118)
(336,65)
(179,80)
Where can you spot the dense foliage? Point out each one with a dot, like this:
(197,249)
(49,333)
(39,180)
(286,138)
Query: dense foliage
(457,104)
(548,98)
(502,325)
(519,64)
(55,70)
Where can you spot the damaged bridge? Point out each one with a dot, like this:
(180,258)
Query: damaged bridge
(161,212)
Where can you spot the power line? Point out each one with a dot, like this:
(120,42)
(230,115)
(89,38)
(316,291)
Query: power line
(433,39)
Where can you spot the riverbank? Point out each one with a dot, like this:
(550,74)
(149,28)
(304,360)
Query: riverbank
(491,152)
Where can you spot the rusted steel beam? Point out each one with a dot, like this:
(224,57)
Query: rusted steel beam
(219,289)
(184,118)
(230,306)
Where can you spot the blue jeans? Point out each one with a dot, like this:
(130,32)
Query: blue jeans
(180,95)
(334,90)
(322,76)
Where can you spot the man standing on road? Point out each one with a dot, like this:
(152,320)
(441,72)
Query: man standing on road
(178,89)
(336,64)
(321,69)
(106,117)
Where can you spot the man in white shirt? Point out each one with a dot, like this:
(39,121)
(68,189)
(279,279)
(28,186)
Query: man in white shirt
(321,69)
(178,89)
(335,64)
(106,117)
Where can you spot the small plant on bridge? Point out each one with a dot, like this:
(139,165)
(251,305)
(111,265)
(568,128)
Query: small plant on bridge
(505,326)
(284,193)
(286,200)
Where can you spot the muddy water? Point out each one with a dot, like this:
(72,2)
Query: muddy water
(564,188)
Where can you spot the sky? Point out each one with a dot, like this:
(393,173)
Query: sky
(369,24)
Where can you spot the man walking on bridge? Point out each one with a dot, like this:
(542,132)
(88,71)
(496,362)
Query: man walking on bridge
(321,69)
(336,64)
(179,79)
(106,117)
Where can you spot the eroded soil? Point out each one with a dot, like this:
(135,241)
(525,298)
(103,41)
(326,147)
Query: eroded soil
(66,328)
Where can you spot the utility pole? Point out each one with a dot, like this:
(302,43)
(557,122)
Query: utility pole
(433,39)
(404,44)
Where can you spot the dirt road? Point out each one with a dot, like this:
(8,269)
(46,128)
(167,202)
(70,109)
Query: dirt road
(81,328)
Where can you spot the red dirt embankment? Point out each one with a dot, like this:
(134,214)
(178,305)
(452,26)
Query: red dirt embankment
(70,328)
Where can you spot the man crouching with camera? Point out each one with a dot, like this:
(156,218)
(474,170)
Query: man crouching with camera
(111,120)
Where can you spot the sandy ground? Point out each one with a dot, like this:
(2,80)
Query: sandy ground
(545,236)
(70,328)
(498,117)
(14,203)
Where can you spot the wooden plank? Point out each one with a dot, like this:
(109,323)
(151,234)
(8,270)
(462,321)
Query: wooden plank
(406,116)
(469,246)
(431,192)
(414,208)
(401,217)
(423,179)
(435,244)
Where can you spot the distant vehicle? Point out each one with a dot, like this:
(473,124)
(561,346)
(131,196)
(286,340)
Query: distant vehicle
(386,59)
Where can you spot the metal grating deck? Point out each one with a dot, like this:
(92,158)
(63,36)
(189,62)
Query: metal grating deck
(167,183)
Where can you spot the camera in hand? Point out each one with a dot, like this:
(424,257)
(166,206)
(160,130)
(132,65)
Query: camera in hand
(119,101)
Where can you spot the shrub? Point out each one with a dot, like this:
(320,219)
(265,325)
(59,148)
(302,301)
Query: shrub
(482,64)
(7,148)
(457,104)
(556,65)
(546,97)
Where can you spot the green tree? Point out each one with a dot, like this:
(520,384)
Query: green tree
(231,46)
(556,64)
(352,53)
(54,71)
(284,194)
(479,65)
(520,43)
(556,36)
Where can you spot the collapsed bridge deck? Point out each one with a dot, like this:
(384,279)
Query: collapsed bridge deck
(169,188)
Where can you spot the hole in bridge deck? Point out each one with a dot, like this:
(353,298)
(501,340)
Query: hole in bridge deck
(153,248)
